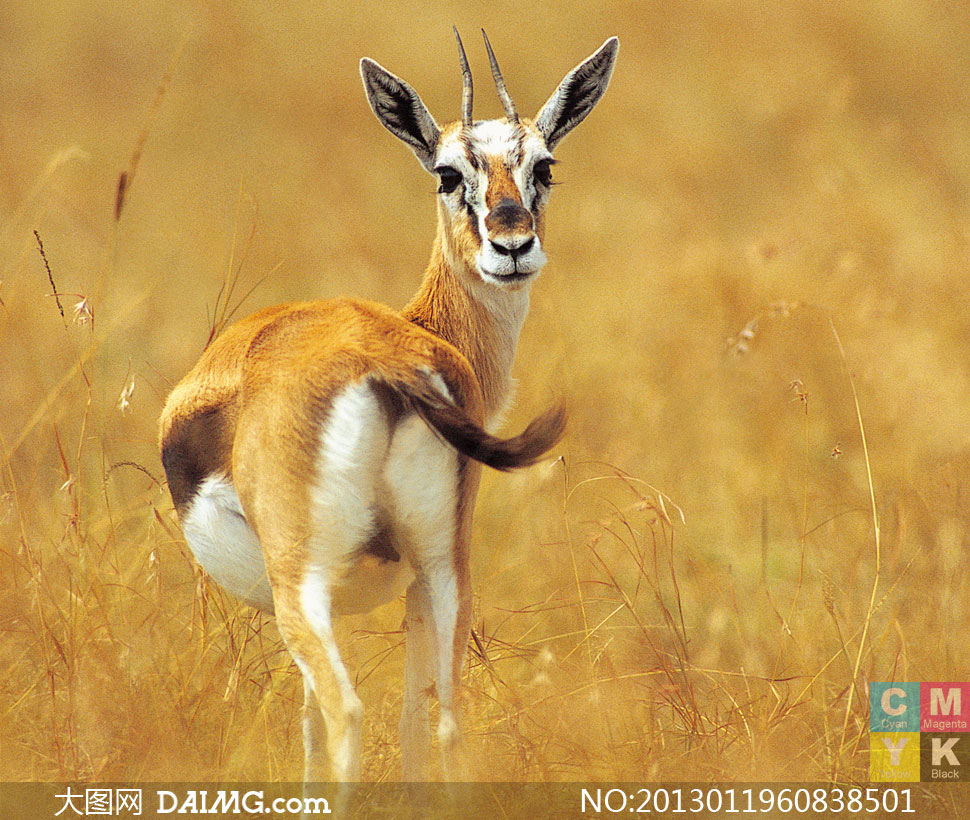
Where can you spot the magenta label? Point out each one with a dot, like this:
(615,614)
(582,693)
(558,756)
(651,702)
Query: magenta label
(944,707)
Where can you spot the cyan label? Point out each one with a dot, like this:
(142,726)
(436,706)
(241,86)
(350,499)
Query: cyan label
(894,707)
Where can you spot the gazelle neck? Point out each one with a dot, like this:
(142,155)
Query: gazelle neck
(482,321)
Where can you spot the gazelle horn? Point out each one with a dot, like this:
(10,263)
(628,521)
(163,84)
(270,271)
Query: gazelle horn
(503,92)
(466,83)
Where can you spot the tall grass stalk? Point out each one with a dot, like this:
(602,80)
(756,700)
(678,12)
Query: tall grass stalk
(870,610)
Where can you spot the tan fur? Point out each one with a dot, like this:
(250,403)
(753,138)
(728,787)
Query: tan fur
(501,185)
(447,309)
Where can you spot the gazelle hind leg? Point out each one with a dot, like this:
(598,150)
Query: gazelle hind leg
(305,623)
(314,737)
(352,440)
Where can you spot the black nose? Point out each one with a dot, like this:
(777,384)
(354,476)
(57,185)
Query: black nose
(515,253)
(509,216)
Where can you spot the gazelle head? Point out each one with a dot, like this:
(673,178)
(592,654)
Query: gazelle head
(494,175)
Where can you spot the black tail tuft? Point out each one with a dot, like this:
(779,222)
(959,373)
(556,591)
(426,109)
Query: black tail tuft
(468,438)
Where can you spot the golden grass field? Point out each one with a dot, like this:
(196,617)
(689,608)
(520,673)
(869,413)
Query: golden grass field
(756,310)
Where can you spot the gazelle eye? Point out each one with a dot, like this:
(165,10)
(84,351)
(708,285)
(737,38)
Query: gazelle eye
(450,179)
(542,171)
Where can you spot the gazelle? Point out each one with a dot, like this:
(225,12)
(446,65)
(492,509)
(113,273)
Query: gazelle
(323,457)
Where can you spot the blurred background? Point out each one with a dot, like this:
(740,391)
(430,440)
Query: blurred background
(758,253)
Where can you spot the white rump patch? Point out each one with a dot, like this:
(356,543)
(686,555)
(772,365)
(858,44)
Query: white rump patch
(222,541)
(348,497)
(422,476)
(344,496)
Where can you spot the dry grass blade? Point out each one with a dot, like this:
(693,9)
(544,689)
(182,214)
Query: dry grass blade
(50,277)
(127,177)
(877,545)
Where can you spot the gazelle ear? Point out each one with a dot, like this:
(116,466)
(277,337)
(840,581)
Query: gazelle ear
(579,91)
(400,110)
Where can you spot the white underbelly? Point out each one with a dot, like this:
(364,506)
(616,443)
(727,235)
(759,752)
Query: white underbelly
(222,541)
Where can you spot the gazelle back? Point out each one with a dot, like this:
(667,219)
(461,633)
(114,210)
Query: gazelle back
(324,457)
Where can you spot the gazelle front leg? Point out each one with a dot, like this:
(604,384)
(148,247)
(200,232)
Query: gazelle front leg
(419,675)
(437,621)
(433,517)
(451,608)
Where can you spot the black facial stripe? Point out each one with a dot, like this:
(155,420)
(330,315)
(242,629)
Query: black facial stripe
(535,206)
(473,221)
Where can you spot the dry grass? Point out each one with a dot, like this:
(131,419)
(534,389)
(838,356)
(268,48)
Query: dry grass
(803,163)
